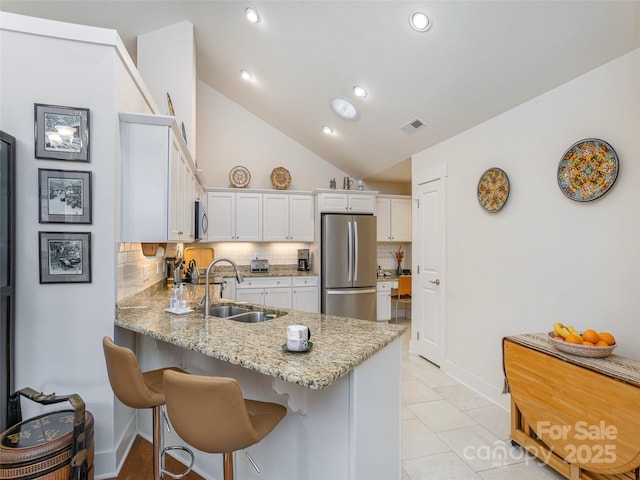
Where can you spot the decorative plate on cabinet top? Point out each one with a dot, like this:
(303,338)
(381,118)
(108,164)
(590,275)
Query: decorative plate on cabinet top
(588,170)
(239,176)
(280,178)
(493,189)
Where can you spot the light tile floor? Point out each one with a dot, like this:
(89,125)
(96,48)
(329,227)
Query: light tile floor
(450,432)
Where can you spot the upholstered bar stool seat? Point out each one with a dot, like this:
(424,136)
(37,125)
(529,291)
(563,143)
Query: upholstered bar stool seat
(138,389)
(210,414)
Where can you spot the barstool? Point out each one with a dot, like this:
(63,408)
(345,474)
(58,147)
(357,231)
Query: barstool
(137,389)
(210,414)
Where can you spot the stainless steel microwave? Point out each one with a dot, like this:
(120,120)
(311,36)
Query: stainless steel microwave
(201,224)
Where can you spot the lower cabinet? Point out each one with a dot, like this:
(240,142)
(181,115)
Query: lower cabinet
(267,291)
(298,293)
(384,301)
(305,294)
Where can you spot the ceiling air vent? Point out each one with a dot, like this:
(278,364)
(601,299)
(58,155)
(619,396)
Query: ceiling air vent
(413,125)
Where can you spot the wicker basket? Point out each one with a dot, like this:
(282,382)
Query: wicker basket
(581,350)
(53,446)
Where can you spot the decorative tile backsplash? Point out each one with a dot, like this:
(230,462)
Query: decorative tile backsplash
(242,253)
(386,255)
(137,272)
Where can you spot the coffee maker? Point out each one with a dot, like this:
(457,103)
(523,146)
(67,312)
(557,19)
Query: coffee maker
(303,259)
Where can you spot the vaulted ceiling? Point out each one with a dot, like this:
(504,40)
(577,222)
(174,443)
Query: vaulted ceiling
(478,59)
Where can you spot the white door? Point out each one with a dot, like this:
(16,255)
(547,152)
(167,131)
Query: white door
(430,328)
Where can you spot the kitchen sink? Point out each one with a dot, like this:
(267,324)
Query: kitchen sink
(224,311)
(252,317)
(243,314)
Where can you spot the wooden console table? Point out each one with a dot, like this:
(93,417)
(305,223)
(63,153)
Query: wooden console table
(581,416)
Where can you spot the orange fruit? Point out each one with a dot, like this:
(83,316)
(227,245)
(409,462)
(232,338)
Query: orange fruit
(607,337)
(588,343)
(590,336)
(573,338)
(601,343)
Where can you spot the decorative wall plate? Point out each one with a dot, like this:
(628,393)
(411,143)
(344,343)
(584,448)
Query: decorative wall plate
(280,178)
(170,105)
(587,170)
(239,176)
(493,189)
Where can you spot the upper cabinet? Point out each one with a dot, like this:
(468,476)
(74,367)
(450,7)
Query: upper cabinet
(346,201)
(158,180)
(234,216)
(254,216)
(287,217)
(394,218)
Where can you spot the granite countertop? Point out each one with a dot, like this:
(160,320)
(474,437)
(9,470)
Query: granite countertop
(339,344)
(284,270)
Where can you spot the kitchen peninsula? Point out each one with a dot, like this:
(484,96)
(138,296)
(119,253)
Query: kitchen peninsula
(343,395)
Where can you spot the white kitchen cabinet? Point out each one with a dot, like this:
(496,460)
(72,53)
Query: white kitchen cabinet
(234,216)
(287,217)
(394,218)
(383,293)
(267,291)
(305,294)
(157,180)
(341,201)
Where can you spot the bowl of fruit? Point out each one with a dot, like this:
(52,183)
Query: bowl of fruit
(589,343)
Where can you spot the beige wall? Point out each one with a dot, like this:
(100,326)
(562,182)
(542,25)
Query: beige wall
(543,258)
(229,135)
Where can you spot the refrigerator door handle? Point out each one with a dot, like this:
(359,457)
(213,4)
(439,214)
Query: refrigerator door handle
(351,291)
(355,251)
(350,253)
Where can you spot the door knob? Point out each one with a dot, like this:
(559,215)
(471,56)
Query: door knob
(436,281)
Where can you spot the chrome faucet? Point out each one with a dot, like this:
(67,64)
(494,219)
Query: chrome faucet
(207,300)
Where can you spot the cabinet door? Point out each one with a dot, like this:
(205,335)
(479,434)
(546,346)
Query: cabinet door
(362,203)
(306,299)
(189,199)
(275,217)
(384,306)
(401,219)
(277,297)
(221,207)
(333,202)
(251,295)
(383,219)
(176,190)
(248,217)
(301,218)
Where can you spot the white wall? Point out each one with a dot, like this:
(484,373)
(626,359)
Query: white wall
(542,258)
(229,135)
(59,327)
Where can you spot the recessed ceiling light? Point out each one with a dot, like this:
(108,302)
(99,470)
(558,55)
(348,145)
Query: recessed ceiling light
(358,91)
(327,129)
(343,107)
(246,75)
(420,21)
(252,15)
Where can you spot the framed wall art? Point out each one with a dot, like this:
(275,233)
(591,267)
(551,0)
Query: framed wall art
(61,133)
(65,257)
(65,196)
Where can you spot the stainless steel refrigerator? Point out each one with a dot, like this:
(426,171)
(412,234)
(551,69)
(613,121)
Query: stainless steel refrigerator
(348,265)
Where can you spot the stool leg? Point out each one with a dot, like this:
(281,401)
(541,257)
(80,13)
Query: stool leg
(157,442)
(228,465)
